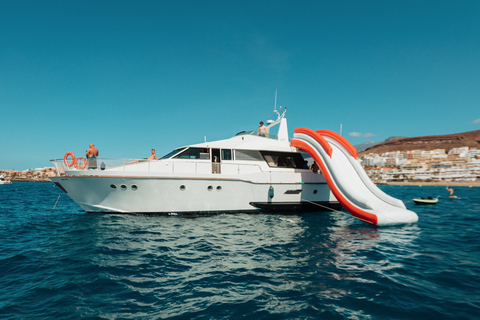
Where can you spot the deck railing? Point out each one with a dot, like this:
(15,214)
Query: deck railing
(103,165)
(255,133)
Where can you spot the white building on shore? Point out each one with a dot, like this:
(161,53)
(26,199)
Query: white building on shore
(459,164)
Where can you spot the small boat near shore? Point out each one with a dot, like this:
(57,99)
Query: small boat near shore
(428,200)
(4,180)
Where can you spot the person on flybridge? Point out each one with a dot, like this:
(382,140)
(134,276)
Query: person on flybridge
(262,130)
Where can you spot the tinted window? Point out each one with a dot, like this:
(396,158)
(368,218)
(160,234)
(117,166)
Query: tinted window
(194,153)
(248,155)
(226,154)
(174,152)
(284,160)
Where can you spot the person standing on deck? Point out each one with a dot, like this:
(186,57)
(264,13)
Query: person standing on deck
(92,154)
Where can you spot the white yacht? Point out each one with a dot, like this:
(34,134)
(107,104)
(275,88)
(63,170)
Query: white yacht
(245,173)
(5,180)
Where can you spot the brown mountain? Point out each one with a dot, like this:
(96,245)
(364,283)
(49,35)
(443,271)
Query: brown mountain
(447,142)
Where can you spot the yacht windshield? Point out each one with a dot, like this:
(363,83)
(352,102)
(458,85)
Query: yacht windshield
(194,153)
(255,133)
(171,154)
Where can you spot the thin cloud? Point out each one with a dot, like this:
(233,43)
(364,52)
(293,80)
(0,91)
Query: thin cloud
(476,121)
(362,135)
(369,135)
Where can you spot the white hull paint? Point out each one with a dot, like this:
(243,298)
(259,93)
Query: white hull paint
(173,195)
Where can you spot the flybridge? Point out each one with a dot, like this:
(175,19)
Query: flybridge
(282,129)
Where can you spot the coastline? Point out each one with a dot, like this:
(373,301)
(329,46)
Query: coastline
(30,180)
(443,183)
(393,183)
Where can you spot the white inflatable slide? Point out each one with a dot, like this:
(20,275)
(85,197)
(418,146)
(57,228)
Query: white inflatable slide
(348,180)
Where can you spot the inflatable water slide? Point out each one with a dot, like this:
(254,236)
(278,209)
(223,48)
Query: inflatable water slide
(348,181)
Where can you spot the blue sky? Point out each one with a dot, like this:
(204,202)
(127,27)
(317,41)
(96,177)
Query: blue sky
(134,75)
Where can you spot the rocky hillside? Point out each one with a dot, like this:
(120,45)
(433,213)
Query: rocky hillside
(447,142)
(368,144)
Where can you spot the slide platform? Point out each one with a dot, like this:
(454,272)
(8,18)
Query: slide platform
(348,181)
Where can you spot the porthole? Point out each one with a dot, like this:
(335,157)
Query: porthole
(134,187)
(315,191)
(219,188)
(123,187)
(113,186)
(182,188)
(210,188)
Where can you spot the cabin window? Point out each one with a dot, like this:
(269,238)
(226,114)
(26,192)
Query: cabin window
(226,154)
(284,160)
(195,153)
(248,155)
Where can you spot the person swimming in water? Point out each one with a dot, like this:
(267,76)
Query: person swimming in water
(450,190)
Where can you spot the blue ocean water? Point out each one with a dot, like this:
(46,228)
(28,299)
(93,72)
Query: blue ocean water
(68,264)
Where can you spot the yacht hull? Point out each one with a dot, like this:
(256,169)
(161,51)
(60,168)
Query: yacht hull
(157,195)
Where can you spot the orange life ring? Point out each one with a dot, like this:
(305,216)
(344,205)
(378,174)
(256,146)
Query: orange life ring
(69,153)
(84,163)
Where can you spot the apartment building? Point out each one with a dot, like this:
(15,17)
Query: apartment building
(459,164)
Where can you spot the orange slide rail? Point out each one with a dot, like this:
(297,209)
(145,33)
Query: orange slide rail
(344,142)
(324,143)
(353,210)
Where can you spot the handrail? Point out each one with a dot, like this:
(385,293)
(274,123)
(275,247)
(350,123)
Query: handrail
(255,133)
(144,165)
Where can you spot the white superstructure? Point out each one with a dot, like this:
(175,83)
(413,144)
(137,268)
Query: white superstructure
(245,173)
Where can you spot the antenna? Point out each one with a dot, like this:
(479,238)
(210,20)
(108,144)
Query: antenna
(341,128)
(275,100)
(275,111)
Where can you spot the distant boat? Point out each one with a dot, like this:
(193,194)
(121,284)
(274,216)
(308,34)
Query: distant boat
(428,200)
(4,180)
